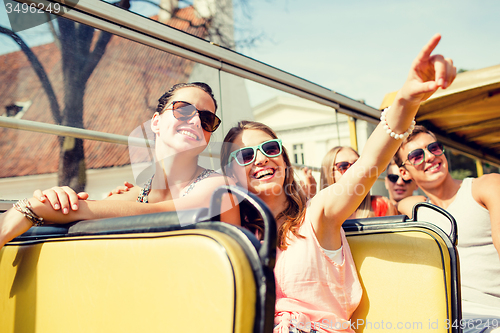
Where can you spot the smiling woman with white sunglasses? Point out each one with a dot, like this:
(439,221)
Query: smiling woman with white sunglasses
(317,287)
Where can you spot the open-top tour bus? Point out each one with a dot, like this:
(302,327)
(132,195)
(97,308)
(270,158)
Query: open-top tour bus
(181,271)
(169,272)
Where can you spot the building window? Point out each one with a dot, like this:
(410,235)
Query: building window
(12,110)
(16,110)
(298,153)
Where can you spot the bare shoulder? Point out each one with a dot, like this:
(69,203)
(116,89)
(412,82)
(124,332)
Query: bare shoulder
(486,189)
(488,181)
(405,206)
(213,181)
(218,177)
(201,193)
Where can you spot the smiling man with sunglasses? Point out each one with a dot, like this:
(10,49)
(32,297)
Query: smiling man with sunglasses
(475,205)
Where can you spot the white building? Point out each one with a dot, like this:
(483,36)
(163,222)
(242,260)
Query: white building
(309,130)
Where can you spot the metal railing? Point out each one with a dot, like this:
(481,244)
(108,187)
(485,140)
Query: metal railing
(80,133)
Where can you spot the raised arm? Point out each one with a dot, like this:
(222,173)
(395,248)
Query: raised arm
(336,203)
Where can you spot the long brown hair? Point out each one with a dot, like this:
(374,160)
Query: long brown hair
(326,179)
(296,200)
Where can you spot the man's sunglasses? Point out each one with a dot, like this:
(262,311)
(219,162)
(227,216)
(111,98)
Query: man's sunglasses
(394,178)
(417,156)
(245,156)
(342,167)
(185,111)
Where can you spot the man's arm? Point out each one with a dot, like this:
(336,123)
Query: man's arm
(405,206)
(486,191)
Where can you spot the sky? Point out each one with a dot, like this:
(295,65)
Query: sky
(362,49)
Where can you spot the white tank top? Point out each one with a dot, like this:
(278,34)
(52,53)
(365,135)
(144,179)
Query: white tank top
(479,260)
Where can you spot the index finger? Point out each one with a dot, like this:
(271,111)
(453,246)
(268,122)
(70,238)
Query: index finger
(429,47)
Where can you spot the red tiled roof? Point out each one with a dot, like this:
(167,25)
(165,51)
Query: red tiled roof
(121,94)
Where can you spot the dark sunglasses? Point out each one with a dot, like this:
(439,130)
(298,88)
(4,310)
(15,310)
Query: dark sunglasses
(394,178)
(245,156)
(417,156)
(342,167)
(185,111)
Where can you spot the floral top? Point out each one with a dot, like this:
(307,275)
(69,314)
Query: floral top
(143,195)
(313,291)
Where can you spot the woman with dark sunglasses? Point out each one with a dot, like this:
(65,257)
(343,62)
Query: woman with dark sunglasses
(335,163)
(475,205)
(317,287)
(182,124)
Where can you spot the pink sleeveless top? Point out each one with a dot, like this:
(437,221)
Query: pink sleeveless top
(312,291)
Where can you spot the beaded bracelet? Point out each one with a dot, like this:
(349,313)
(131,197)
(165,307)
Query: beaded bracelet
(24,207)
(390,132)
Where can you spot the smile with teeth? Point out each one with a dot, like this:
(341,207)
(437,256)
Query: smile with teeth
(189,134)
(434,167)
(262,173)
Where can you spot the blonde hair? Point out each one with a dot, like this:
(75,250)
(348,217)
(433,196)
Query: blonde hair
(326,179)
(294,213)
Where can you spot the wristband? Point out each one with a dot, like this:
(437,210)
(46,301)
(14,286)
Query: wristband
(24,207)
(391,133)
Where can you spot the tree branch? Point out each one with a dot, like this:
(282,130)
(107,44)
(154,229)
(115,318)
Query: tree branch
(53,31)
(68,45)
(84,36)
(100,47)
(96,55)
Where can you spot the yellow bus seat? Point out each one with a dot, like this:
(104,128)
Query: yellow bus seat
(409,274)
(136,274)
